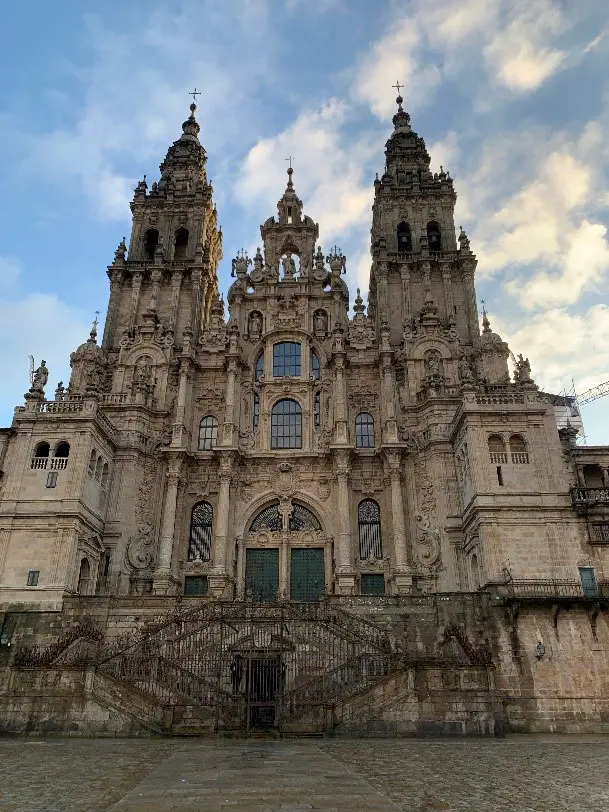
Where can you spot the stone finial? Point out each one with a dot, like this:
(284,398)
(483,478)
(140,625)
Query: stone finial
(358,307)
(119,254)
(337,261)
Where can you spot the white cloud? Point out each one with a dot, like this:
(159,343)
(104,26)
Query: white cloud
(9,273)
(330,177)
(43,326)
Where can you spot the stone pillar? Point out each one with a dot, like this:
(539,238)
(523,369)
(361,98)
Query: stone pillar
(406,294)
(156,276)
(135,296)
(176,284)
(220,576)
(340,387)
(388,389)
(345,575)
(179,436)
(195,317)
(228,433)
(449,303)
(116,287)
(401,570)
(470,305)
(163,581)
(382,271)
(240,568)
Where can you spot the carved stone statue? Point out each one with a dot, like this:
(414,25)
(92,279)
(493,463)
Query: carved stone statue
(40,378)
(255,325)
(522,373)
(289,266)
(465,372)
(320,321)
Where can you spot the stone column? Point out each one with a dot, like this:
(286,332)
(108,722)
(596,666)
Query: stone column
(156,276)
(340,387)
(382,271)
(240,568)
(388,388)
(406,294)
(401,570)
(179,436)
(449,303)
(135,296)
(228,433)
(195,317)
(176,284)
(470,304)
(163,581)
(219,577)
(116,287)
(345,575)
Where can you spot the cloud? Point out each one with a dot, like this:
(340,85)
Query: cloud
(330,176)
(43,326)
(9,273)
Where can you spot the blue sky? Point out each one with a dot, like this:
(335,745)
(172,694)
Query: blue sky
(512,96)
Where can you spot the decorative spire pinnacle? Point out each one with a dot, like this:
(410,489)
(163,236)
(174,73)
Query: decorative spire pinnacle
(190,128)
(290,186)
(401,120)
(486,325)
(93,334)
(358,307)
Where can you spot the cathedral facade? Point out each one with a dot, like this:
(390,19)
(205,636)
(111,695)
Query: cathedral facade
(286,453)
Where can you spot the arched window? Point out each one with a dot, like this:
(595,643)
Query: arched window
(286,359)
(286,424)
(259,367)
(208,433)
(99,468)
(181,243)
(301,518)
(364,430)
(518,449)
(92,460)
(84,577)
(104,476)
(60,457)
(315,366)
(151,240)
(268,519)
(496,448)
(434,238)
(41,455)
(201,523)
(404,238)
(369,528)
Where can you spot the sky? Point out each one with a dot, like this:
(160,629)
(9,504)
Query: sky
(511,96)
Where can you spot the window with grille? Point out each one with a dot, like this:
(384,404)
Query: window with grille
(199,542)
(315,366)
(369,527)
(208,433)
(259,367)
(372,584)
(317,410)
(267,519)
(286,359)
(195,585)
(286,425)
(301,518)
(256,411)
(364,430)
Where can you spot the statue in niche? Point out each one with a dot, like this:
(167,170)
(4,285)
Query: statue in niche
(255,324)
(465,372)
(320,321)
(40,378)
(289,266)
(433,364)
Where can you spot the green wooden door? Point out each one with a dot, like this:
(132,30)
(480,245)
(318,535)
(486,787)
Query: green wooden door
(262,574)
(307,581)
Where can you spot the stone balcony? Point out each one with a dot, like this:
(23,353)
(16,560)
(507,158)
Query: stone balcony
(550,590)
(585,499)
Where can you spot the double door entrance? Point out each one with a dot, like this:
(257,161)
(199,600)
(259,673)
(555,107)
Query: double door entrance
(306,574)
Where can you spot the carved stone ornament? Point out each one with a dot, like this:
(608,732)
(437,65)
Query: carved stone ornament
(140,552)
(363,396)
(324,489)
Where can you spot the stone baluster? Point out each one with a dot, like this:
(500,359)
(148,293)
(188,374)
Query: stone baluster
(163,580)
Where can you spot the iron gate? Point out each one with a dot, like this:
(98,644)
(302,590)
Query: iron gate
(248,667)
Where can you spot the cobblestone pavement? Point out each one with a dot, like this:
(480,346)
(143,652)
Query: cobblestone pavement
(519,774)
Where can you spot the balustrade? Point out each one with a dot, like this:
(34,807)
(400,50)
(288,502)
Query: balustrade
(587,497)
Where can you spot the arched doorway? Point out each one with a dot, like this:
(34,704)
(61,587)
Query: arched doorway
(286,555)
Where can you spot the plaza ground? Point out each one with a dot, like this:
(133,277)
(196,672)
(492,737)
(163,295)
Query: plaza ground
(518,774)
